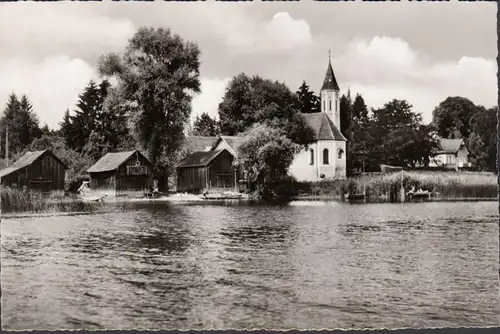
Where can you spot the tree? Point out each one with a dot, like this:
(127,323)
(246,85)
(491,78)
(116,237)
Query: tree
(452,117)
(204,125)
(157,76)
(483,140)
(396,136)
(308,101)
(21,122)
(252,100)
(88,117)
(66,127)
(354,124)
(265,156)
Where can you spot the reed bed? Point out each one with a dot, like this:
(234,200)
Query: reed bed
(29,201)
(448,185)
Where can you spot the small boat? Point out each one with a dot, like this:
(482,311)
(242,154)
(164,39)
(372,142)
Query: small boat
(419,194)
(350,197)
(390,169)
(93,198)
(220,196)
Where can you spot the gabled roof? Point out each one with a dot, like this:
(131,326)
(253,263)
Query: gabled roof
(330,83)
(449,146)
(233,141)
(199,159)
(27,159)
(323,127)
(112,161)
(198,143)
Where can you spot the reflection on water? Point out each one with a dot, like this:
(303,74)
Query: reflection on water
(305,265)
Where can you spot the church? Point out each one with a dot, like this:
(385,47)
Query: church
(325,158)
(210,166)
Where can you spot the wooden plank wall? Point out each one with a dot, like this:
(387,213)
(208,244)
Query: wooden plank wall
(133,185)
(191,179)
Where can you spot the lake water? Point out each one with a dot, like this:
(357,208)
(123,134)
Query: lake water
(306,265)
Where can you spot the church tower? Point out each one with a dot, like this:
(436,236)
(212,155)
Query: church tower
(330,95)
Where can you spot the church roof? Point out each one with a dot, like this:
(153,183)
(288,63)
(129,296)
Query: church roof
(323,127)
(330,82)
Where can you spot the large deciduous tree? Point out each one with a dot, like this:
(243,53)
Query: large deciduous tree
(483,140)
(452,117)
(254,100)
(396,136)
(265,155)
(157,76)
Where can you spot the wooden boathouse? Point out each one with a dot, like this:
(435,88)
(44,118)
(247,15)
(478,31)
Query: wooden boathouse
(36,170)
(121,174)
(211,170)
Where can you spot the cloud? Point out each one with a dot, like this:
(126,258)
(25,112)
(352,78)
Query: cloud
(280,35)
(52,85)
(68,28)
(212,91)
(385,68)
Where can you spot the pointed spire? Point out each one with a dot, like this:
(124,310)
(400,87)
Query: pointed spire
(330,83)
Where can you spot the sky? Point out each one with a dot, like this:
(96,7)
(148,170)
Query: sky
(419,51)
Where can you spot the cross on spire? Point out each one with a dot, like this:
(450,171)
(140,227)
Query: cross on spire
(329,55)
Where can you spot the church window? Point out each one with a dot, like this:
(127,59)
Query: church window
(311,160)
(330,105)
(341,153)
(325,157)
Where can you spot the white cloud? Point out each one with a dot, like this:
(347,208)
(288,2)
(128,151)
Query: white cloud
(52,85)
(212,91)
(385,68)
(65,28)
(282,34)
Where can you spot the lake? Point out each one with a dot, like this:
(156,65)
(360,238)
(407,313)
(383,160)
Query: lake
(306,265)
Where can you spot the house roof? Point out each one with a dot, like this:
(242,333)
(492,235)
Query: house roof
(199,159)
(198,143)
(233,141)
(27,159)
(449,145)
(323,127)
(111,161)
(330,82)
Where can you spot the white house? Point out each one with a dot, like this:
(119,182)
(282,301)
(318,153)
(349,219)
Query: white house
(452,154)
(325,157)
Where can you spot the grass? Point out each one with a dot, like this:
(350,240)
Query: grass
(29,201)
(448,185)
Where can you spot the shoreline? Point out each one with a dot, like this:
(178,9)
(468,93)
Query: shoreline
(188,199)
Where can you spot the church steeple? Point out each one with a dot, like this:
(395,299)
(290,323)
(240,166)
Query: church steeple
(330,95)
(330,83)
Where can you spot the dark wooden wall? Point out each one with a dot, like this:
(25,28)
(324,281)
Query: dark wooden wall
(221,172)
(119,183)
(45,174)
(104,181)
(217,175)
(191,179)
(128,184)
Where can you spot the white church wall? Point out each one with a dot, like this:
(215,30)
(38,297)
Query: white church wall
(301,167)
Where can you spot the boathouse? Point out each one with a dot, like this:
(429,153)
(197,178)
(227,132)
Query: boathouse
(37,170)
(121,174)
(211,170)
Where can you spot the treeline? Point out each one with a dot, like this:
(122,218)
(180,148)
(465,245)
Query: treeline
(149,107)
(392,134)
